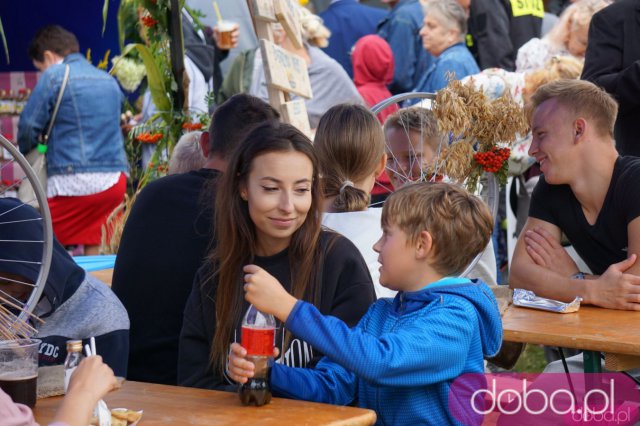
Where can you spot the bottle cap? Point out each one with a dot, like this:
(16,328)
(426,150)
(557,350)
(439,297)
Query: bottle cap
(74,345)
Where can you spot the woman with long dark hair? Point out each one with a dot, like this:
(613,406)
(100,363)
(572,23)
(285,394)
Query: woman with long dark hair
(268,214)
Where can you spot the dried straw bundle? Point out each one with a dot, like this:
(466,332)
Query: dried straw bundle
(112,230)
(11,325)
(459,160)
(477,125)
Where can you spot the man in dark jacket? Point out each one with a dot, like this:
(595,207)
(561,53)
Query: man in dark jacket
(498,28)
(165,240)
(612,61)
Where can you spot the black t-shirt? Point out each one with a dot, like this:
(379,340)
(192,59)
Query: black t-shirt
(165,241)
(605,242)
(346,293)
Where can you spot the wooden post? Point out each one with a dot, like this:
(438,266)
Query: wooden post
(285,73)
(176,52)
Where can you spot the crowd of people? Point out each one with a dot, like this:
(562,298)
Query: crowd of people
(370,304)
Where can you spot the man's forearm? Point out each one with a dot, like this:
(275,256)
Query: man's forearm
(546,283)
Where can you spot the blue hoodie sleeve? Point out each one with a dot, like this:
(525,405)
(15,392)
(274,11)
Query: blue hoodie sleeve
(328,383)
(428,351)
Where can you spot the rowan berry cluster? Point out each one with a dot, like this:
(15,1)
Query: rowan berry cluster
(149,137)
(192,126)
(148,21)
(493,160)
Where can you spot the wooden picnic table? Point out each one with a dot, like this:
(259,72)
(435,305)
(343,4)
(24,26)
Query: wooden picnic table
(592,329)
(164,405)
(104,275)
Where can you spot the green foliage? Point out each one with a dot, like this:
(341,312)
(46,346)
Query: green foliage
(128,23)
(4,42)
(155,77)
(196,15)
(105,12)
(146,23)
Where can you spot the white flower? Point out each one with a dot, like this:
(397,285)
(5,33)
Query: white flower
(128,72)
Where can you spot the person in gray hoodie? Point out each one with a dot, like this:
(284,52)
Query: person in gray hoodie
(74,305)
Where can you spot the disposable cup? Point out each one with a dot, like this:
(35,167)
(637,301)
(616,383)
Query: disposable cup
(225,28)
(19,369)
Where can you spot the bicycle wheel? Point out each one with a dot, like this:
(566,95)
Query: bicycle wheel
(45,245)
(416,161)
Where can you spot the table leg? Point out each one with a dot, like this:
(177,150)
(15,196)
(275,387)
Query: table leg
(592,363)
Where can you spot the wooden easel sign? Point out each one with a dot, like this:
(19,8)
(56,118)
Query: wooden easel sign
(286,73)
(295,113)
(284,70)
(264,10)
(287,15)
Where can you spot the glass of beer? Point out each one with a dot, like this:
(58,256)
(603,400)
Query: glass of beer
(19,369)
(225,28)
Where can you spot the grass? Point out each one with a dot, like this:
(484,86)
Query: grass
(531,361)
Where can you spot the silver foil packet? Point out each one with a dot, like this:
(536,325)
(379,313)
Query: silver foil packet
(528,299)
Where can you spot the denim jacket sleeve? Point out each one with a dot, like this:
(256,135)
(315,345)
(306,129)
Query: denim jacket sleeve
(37,111)
(400,33)
(457,61)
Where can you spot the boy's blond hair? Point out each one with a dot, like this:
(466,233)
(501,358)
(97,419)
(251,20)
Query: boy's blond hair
(459,223)
(420,120)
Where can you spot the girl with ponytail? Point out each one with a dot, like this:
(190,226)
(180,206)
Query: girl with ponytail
(350,146)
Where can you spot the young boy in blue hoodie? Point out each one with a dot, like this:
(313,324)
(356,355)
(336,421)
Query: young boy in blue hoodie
(402,357)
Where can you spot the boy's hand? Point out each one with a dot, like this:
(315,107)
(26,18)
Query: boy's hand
(266,293)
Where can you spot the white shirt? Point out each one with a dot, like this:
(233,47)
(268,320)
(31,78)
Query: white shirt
(80,184)
(363,229)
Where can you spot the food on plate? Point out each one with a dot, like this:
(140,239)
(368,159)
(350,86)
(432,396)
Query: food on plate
(120,417)
(129,416)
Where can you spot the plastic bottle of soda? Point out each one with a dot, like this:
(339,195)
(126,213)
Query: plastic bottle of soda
(258,334)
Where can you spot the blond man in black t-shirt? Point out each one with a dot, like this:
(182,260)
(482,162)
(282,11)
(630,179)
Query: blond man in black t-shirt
(587,192)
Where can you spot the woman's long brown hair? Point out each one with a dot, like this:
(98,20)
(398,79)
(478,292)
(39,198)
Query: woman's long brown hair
(235,235)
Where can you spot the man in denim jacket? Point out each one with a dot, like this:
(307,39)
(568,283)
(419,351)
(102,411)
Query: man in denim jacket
(401,30)
(85,154)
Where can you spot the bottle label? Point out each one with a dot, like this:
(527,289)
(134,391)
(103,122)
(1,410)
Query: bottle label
(67,376)
(258,341)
